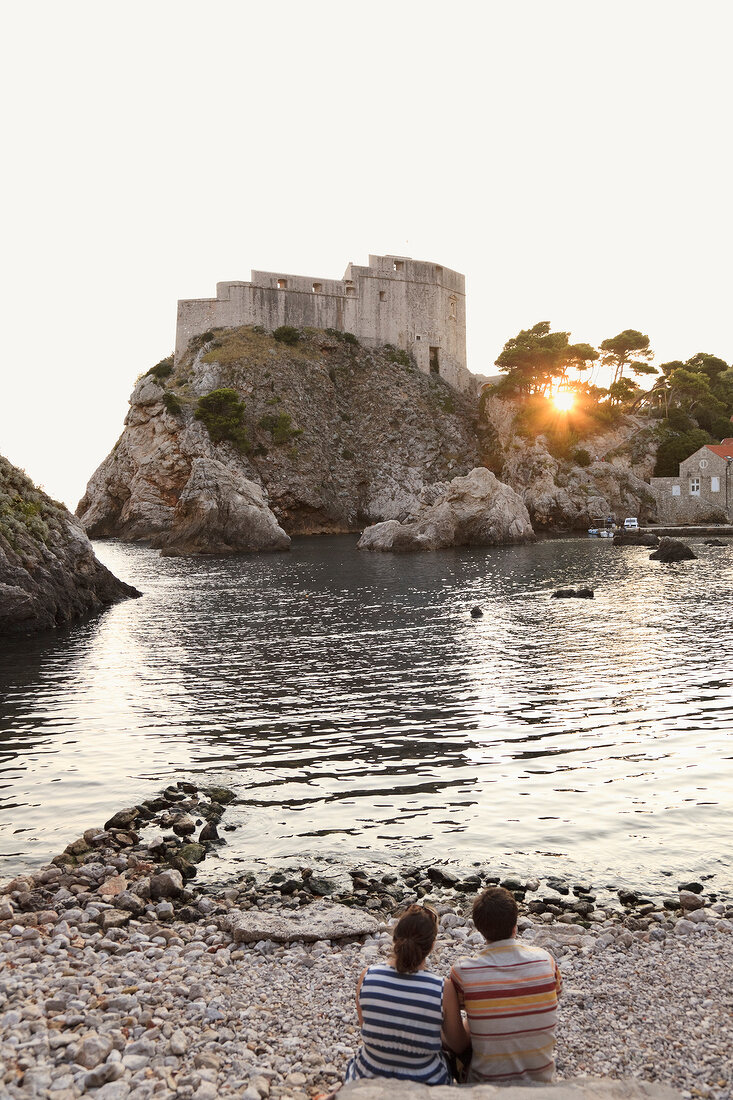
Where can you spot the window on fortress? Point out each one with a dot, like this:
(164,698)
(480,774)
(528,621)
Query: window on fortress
(282,284)
(383,296)
(452,309)
(439,272)
(350,292)
(397,265)
(434,361)
(317,288)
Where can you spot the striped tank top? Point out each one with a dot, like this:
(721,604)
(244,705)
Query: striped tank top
(509,991)
(403,1014)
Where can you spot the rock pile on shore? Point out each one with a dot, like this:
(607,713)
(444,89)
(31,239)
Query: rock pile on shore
(121,978)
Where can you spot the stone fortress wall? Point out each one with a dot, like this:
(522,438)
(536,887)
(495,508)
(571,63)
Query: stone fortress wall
(417,306)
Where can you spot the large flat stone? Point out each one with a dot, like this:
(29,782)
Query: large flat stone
(319,921)
(580,1088)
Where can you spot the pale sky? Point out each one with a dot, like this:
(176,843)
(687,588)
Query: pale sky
(572,159)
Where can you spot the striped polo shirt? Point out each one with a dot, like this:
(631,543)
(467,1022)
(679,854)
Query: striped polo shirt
(509,991)
(402,1016)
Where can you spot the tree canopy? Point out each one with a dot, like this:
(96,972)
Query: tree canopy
(628,350)
(536,359)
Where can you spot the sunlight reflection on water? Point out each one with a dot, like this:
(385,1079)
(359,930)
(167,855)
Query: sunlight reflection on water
(356,706)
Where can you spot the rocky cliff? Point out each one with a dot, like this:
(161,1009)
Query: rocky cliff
(48,572)
(476,510)
(561,493)
(316,436)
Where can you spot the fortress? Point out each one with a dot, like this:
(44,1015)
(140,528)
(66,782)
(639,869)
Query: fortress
(419,307)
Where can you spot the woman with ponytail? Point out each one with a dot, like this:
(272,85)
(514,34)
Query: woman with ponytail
(403,1009)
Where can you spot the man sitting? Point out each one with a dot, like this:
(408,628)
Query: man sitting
(509,991)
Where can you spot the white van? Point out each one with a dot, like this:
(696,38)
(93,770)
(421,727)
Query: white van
(631,524)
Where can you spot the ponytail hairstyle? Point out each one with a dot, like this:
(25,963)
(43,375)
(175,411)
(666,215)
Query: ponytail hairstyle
(413,938)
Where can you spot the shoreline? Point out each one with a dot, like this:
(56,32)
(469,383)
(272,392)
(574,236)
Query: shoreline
(122,978)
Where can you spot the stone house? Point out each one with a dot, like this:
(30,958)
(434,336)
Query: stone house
(414,305)
(703,492)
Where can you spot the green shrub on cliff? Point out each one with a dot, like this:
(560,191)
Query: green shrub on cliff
(344,337)
(286,334)
(675,448)
(222,413)
(162,369)
(24,509)
(172,404)
(397,355)
(280,427)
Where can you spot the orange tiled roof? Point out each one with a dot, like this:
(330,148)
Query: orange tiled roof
(724,449)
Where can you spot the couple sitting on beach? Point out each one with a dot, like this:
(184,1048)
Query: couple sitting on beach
(411,1019)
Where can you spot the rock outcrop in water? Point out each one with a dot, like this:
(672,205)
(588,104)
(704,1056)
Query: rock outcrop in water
(476,510)
(218,513)
(560,494)
(330,437)
(49,574)
(671,550)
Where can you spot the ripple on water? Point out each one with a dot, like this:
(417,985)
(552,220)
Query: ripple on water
(356,706)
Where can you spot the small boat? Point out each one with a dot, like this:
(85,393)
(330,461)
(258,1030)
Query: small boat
(607,531)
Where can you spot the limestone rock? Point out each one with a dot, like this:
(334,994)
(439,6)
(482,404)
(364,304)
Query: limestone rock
(319,921)
(49,574)
(560,495)
(629,538)
(579,1088)
(93,1049)
(323,883)
(476,510)
(168,884)
(339,435)
(219,512)
(690,900)
(123,818)
(671,550)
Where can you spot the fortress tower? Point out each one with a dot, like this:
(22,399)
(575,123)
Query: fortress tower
(417,306)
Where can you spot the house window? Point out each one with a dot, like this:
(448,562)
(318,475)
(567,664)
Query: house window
(695,486)
(675,490)
(714,484)
(282,284)
(397,265)
(383,296)
(317,288)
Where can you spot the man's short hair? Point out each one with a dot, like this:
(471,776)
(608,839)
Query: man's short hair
(495,913)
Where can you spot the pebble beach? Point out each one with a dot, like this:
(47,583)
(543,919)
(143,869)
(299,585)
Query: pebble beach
(119,977)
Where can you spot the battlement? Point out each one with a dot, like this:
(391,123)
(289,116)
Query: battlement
(414,305)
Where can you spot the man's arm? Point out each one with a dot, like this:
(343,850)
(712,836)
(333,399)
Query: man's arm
(455,1032)
(558,979)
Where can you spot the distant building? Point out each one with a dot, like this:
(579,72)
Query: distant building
(703,492)
(419,307)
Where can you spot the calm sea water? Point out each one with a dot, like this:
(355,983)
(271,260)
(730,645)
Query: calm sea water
(358,709)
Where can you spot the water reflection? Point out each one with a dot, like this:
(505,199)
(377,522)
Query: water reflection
(354,704)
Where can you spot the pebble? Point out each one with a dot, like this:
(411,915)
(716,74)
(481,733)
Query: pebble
(154,998)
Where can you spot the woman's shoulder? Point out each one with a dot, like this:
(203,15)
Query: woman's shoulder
(386,970)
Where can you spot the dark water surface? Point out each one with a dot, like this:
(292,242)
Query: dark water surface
(358,709)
